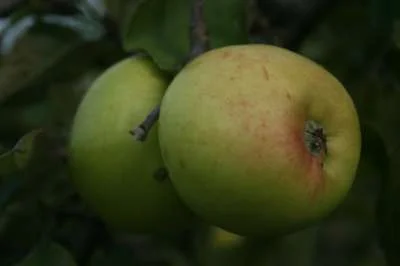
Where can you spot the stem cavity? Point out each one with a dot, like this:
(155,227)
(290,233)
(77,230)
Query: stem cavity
(315,139)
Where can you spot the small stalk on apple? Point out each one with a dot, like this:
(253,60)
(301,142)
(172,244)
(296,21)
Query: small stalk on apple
(315,138)
(140,132)
(199,45)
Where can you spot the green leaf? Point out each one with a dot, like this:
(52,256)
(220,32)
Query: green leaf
(31,149)
(226,22)
(20,155)
(28,154)
(26,148)
(7,163)
(162,29)
(48,254)
(35,52)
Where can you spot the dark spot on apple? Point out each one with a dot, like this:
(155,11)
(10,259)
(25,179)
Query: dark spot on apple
(265,72)
(244,103)
(226,54)
(315,139)
(288,96)
(161,174)
(263,138)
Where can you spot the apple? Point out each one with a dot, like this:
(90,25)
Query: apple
(117,176)
(223,239)
(259,140)
(223,248)
(220,247)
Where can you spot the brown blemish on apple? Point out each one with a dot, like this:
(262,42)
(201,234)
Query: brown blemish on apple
(259,133)
(263,126)
(288,96)
(243,103)
(238,108)
(265,72)
(226,54)
(245,125)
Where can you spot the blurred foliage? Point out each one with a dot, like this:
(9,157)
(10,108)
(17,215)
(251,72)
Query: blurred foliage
(165,38)
(48,254)
(51,51)
(234,15)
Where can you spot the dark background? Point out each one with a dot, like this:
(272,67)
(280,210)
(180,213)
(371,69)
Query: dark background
(51,51)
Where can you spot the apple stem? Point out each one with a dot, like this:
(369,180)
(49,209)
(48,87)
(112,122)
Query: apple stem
(199,44)
(141,132)
(315,138)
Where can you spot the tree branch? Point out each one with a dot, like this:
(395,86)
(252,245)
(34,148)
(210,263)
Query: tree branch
(199,38)
(199,44)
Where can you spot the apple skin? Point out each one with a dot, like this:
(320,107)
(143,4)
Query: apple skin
(112,171)
(231,133)
(219,247)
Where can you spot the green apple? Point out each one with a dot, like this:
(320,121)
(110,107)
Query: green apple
(220,238)
(259,140)
(115,174)
(222,248)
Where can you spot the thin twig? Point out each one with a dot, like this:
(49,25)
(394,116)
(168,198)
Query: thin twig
(140,132)
(199,37)
(199,44)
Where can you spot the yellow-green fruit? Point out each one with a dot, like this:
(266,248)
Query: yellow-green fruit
(114,173)
(259,140)
(222,248)
(220,238)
